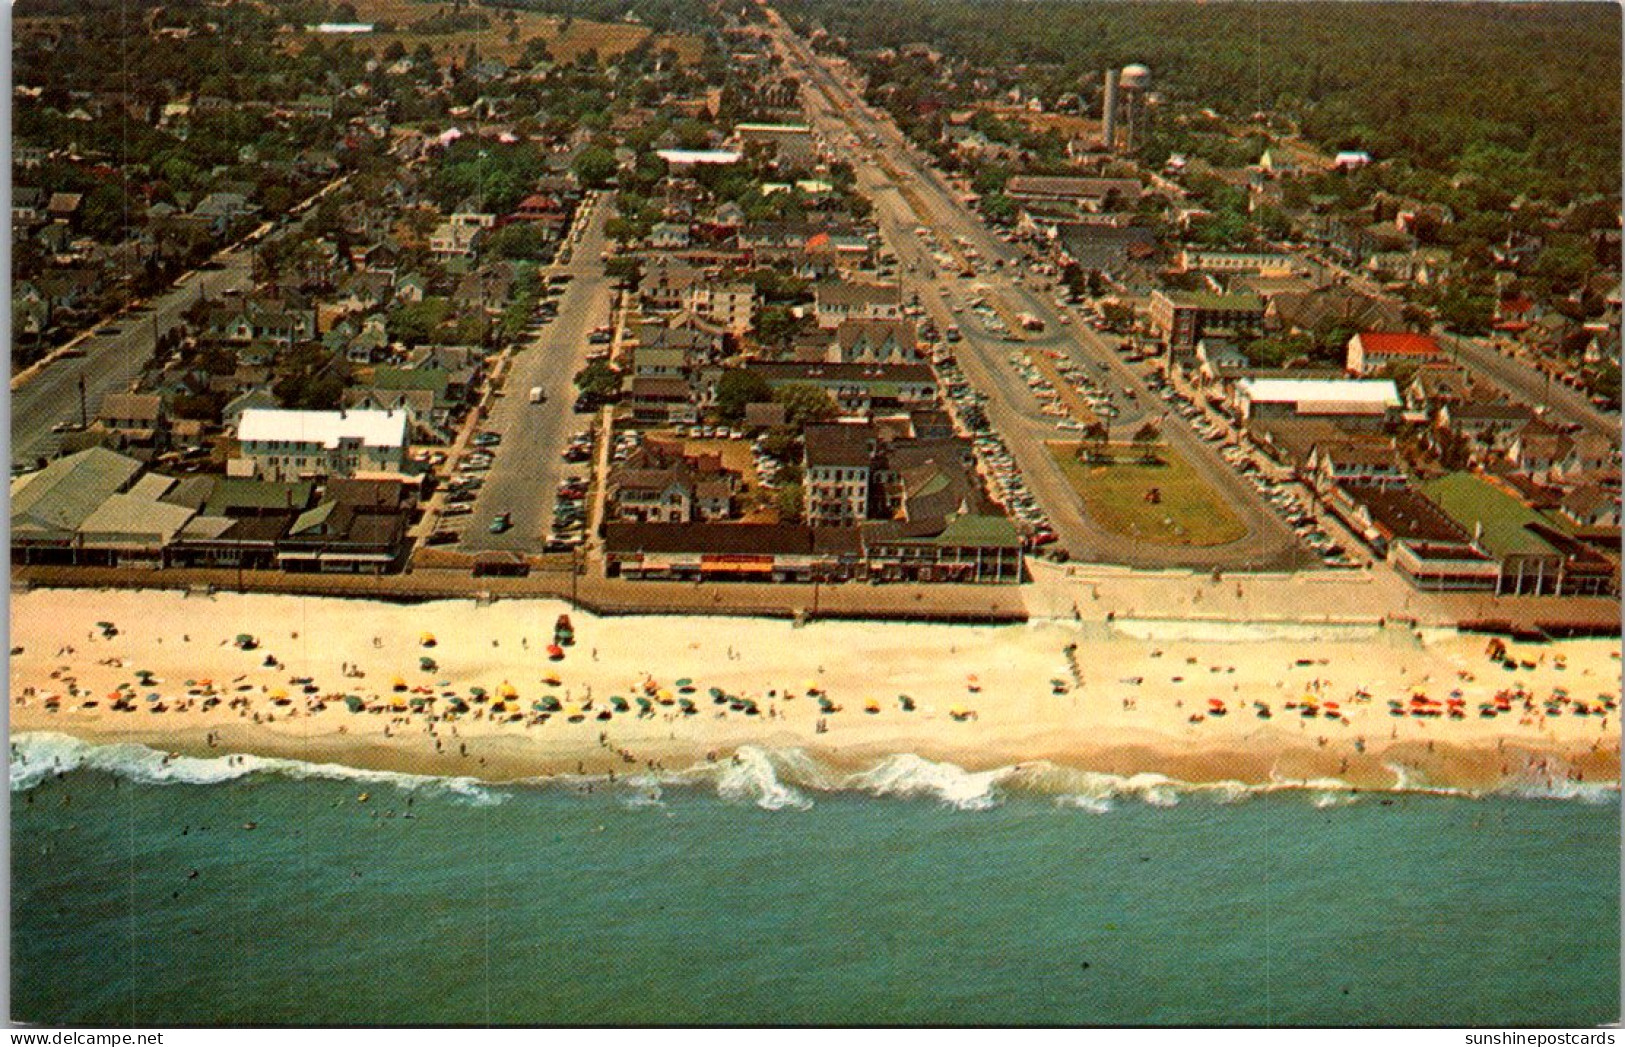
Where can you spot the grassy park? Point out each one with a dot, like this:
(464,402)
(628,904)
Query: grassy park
(1166,502)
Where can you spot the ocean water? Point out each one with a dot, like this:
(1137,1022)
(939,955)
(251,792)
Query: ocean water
(774,891)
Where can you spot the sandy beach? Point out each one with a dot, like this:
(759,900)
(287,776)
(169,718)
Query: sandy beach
(1193,702)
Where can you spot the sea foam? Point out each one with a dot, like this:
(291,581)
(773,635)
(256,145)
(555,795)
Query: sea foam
(772,779)
(39,755)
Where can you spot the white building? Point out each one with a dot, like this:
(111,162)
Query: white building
(1352,400)
(835,302)
(292,445)
(732,306)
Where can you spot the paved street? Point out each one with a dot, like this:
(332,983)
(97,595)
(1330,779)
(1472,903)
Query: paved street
(110,362)
(47,394)
(883,156)
(1530,386)
(527,468)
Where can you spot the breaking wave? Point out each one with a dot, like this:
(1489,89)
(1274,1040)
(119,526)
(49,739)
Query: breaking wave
(39,755)
(771,779)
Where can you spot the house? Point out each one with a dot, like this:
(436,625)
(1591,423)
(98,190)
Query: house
(661,401)
(1433,387)
(668,236)
(452,239)
(835,302)
(412,287)
(875,342)
(1373,351)
(658,483)
(1368,461)
(242,321)
(63,208)
(27,206)
(220,210)
(257,396)
(665,283)
(1485,423)
(135,419)
(857,388)
(293,445)
(1591,505)
(1328,308)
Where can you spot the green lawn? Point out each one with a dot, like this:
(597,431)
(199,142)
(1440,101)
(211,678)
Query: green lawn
(1189,512)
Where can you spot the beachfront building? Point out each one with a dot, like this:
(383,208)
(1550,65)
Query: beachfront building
(296,445)
(836,473)
(969,548)
(980,548)
(49,506)
(1532,554)
(357,527)
(1413,534)
(731,552)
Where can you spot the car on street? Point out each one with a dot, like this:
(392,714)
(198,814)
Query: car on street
(501,523)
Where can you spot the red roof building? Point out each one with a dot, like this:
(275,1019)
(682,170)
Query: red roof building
(1370,351)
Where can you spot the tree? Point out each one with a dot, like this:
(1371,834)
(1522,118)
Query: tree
(1095,439)
(789,502)
(737,388)
(417,322)
(804,404)
(599,381)
(775,325)
(1146,438)
(596,166)
(521,241)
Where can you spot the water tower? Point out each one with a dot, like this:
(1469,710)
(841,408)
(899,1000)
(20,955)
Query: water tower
(1133,88)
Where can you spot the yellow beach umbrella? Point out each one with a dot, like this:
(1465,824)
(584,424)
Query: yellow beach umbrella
(280,692)
(551,679)
(507,690)
(398,703)
(427,640)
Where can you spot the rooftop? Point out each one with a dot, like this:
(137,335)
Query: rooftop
(1500,520)
(328,428)
(1321,391)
